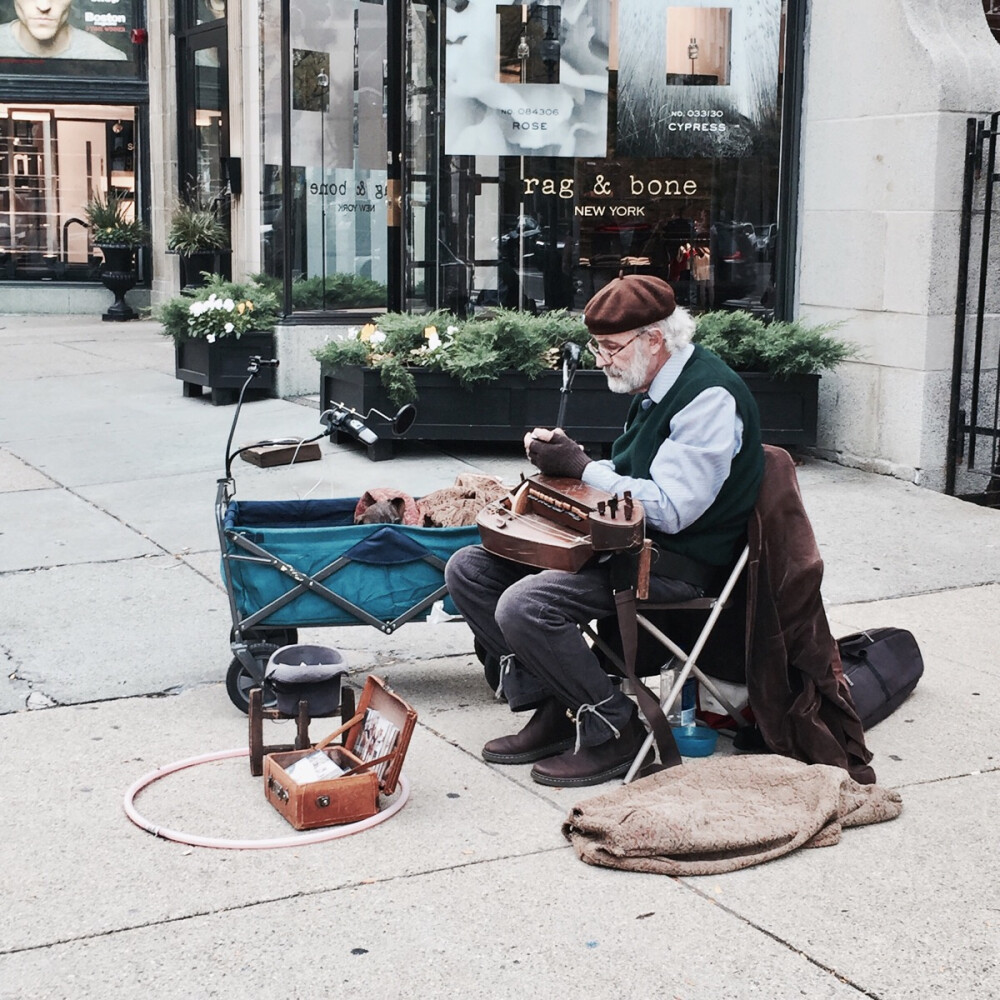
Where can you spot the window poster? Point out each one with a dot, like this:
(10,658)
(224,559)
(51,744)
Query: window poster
(527,79)
(697,77)
(68,36)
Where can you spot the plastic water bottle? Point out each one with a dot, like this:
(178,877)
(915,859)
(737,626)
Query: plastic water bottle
(681,714)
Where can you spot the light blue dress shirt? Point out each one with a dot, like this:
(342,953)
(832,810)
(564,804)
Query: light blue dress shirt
(691,465)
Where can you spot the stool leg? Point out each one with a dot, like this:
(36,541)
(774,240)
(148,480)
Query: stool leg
(256,724)
(302,726)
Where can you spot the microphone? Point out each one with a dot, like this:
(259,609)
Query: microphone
(571,361)
(349,421)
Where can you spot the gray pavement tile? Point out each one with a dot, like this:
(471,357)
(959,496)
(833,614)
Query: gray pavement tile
(16,475)
(955,625)
(541,925)
(78,867)
(43,528)
(89,632)
(881,537)
(23,361)
(905,909)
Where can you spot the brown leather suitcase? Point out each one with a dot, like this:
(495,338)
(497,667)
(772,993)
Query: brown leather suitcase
(372,768)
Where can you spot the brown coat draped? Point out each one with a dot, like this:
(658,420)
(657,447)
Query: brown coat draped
(794,677)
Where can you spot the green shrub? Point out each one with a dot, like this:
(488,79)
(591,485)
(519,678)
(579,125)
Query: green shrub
(471,351)
(747,344)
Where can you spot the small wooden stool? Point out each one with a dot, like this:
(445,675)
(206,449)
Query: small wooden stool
(258,713)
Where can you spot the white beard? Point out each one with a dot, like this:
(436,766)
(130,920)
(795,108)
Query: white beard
(629,377)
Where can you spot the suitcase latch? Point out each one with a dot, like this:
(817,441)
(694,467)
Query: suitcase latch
(322,801)
(280,792)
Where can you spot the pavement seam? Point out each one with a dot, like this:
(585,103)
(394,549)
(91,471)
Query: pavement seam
(304,894)
(949,777)
(780,940)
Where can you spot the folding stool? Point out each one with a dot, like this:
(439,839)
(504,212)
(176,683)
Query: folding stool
(689,661)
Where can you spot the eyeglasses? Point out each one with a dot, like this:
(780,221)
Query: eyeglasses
(608,353)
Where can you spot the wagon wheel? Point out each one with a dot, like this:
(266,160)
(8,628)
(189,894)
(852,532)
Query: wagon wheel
(491,665)
(239,681)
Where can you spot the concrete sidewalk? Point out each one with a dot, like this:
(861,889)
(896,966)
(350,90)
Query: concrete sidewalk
(114,622)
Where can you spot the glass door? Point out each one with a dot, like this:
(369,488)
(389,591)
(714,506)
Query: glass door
(204,112)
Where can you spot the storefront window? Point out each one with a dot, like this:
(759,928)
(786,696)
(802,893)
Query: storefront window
(53,160)
(334,242)
(651,146)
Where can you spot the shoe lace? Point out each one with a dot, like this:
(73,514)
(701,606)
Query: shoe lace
(505,662)
(593,709)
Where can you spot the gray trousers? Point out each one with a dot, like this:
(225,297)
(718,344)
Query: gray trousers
(536,616)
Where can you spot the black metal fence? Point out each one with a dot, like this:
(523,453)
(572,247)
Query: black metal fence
(973,466)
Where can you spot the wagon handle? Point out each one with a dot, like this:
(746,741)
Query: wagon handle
(253,369)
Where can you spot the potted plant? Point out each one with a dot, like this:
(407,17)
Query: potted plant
(781,362)
(481,379)
(198,235)
(215,332)
(118,236)
(488,378)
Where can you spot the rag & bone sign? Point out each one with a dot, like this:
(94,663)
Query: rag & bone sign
(633,187)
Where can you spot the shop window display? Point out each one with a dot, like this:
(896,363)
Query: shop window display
(53,161)
(682,180)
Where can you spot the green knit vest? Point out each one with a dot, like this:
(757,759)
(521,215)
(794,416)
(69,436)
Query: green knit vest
(716,537)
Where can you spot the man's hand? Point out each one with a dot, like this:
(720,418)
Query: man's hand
(555,454)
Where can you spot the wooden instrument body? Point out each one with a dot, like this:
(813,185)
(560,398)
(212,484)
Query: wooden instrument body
(552,522)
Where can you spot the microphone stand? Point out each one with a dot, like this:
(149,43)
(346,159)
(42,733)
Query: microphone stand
(571,361)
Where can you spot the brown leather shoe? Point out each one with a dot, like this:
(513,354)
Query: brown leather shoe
(548,732)
(594,765)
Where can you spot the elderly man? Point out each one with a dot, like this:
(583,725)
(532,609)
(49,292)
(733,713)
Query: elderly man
(42,30)
(691,452)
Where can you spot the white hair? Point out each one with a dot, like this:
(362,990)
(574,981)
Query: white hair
(677,329)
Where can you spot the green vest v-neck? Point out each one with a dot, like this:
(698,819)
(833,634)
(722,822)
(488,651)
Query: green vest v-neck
(716,537)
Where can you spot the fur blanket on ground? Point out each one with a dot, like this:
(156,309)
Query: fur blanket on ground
(723,814)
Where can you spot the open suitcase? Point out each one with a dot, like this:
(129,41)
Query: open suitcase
(372,754)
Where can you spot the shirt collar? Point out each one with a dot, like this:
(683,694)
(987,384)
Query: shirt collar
(665,378)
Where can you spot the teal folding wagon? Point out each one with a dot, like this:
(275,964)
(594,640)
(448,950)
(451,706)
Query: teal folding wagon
(290,564)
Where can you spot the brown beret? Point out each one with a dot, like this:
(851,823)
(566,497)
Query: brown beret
(628,302)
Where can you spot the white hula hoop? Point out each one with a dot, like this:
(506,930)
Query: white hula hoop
(296,840)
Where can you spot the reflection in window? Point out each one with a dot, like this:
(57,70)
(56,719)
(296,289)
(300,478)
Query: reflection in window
(528,44)
(333,241)
(699,42)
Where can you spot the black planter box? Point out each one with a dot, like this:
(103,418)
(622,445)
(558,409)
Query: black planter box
(222,366)
(788,407)
(502,410)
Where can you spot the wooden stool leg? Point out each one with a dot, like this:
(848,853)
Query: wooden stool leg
(256,724)
(302,726)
